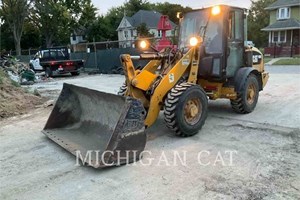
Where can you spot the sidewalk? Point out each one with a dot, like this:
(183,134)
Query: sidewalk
(271,62)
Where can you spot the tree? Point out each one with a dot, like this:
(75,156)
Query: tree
(52,18)
(7,39)
(143,31)
(101,30)
(82,12)
(258,18)
(14,13)
(133,6)
(31,37)
(113,19)
(171,10)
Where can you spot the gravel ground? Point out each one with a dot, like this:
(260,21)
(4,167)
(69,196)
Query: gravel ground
(254,156)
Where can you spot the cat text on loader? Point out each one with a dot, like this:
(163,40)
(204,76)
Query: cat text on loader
(211,61)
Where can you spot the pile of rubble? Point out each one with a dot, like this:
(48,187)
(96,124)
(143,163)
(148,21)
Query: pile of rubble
(15,100)
(18,71)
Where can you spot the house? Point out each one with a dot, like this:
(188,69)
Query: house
(78,36)
(284,28)
(127,29)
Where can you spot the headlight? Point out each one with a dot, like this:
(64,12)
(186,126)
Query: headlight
(193,41)
(143,44)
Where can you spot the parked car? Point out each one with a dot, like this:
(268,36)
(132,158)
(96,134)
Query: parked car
(55,61)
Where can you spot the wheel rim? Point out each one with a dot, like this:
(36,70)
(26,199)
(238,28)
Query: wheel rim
(251,93)
(192,111)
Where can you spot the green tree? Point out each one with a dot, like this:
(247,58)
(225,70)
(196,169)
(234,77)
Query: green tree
(82,12)
(101,30)
(7,39)
(133,6)
(113,19)
(258,18)
(143,31)
(52,18)
(171,10)
(31,36)
(14,12)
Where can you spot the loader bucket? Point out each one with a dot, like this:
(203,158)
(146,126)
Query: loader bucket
(100,129)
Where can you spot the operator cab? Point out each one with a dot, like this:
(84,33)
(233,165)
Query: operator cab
(222,30)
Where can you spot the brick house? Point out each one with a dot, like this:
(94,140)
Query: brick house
(284,28)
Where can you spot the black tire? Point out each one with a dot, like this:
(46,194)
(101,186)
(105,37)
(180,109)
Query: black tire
(175,113)
(245,101)
(48,72)
(75,73)
(122,90)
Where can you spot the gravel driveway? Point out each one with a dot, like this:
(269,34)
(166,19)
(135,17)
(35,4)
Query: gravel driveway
(253,156)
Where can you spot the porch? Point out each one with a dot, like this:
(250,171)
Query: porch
(283,43)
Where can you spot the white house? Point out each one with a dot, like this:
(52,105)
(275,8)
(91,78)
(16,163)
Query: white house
(78,36)
(127,30)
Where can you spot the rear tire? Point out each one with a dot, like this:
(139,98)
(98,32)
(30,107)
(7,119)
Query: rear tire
(247,99)
(48,72)
(185,109)
(75,73)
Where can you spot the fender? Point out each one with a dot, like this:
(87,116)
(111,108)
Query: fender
(241,76)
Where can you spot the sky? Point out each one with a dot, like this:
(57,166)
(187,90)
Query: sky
(104,5)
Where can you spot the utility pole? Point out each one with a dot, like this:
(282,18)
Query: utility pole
(95,53)
(0,35)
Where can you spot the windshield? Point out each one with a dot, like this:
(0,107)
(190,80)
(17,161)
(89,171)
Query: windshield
(196,24)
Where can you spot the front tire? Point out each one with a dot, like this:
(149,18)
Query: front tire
(247,99)
(185,109)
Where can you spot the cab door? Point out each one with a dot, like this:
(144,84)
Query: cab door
(235,43)
(36,62)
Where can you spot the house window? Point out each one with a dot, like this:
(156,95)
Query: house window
(74,37)
(279,36)
(283,13)
(126,34)
(275,36)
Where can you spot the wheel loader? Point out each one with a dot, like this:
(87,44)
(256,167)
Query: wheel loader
(210,62)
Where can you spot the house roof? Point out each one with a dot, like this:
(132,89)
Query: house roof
(149,17)
(282,3)
(288,24)
(129,19)
(80,31)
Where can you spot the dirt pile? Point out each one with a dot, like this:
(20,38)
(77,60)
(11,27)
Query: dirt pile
(14,100)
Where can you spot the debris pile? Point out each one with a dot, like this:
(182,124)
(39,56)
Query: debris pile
(17,71)
(15,100)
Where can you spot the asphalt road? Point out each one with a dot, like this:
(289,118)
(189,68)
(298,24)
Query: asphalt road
(264,162)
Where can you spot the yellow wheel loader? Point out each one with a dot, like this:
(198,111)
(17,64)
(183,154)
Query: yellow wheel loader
(211,62)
